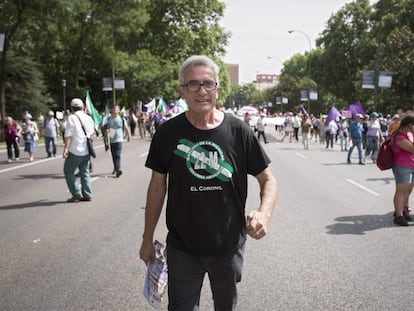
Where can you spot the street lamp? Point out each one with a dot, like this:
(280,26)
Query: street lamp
(278,59)
(64,95)
(2,39)
(310,47)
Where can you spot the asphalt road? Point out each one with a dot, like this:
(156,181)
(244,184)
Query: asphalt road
(331,243)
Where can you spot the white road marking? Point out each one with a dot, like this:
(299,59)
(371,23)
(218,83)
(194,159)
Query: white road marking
(28,164)
(361,187)
(300,155)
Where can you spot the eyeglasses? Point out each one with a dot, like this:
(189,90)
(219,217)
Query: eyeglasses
(194,85)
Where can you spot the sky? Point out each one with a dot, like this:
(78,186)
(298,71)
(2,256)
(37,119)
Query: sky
(260,28)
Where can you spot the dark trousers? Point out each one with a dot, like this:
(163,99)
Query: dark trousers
(329,139)
(186,274)
(15,145)
(356,142)
(48,141)
(116,149)
(261,133)
(296,130)
(133,126)
(372,146)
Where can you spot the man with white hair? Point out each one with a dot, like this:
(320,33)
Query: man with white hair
(202,158)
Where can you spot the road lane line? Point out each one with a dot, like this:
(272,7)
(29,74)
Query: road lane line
(28,164)
(37,162)
(361,187)
(300,155)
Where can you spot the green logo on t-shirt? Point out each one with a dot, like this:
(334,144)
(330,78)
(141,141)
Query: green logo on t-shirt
(205,159)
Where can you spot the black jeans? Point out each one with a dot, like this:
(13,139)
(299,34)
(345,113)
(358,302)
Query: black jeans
(116,149)
(186,274)
(15,145)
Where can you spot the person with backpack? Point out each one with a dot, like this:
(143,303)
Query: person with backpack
(403,169)
(114,129)
(355,133)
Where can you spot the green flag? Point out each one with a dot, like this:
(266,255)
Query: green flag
(96,117)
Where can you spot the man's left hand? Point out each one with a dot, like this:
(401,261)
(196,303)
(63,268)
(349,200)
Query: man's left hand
(256,225)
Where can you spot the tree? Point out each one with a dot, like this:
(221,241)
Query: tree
(83,41)
(14,15)
(346,45)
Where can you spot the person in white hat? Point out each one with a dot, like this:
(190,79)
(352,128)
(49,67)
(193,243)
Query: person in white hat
(76,152)
(51,132)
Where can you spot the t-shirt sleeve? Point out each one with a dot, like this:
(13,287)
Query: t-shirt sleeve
(257,159)
(154,160)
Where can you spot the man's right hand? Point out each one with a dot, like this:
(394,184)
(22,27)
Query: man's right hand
(147,251)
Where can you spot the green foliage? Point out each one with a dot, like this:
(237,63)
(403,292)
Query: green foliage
(358,37)
(242,95)
(81,41)
(25,89)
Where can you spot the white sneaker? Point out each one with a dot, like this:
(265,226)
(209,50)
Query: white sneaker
(17,159)
(9,160)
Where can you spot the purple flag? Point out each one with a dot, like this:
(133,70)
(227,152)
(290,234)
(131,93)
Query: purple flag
(356,108)
(333,113)
(303,110)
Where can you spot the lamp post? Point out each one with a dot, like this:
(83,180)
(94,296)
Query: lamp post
(309,57)
(310,47)
(2,39)
(283,100)
(280,61)
(2,76)
(64,95)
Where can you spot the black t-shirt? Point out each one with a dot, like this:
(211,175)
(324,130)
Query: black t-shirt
(207,182)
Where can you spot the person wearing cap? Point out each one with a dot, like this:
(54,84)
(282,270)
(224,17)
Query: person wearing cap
(51,132)
(76,153)
(355,131)
(374,136)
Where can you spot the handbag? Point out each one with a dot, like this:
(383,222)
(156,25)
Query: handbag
(89,141)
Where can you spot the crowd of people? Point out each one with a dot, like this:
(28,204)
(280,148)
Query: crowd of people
(202,159)
(365,132)
(51,127)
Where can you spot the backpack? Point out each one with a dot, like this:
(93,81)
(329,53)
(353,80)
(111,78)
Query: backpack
(385,159)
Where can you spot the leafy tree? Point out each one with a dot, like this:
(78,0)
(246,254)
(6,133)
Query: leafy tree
(346,45)
(24,75)
(83,41)
(14,16)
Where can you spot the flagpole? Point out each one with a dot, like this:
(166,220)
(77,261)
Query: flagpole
(113,70)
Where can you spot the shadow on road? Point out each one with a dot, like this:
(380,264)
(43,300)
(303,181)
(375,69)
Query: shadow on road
(386,180)
(360,224)
(39,176)
(32,204)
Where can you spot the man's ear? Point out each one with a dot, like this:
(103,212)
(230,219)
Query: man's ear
(180,91)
